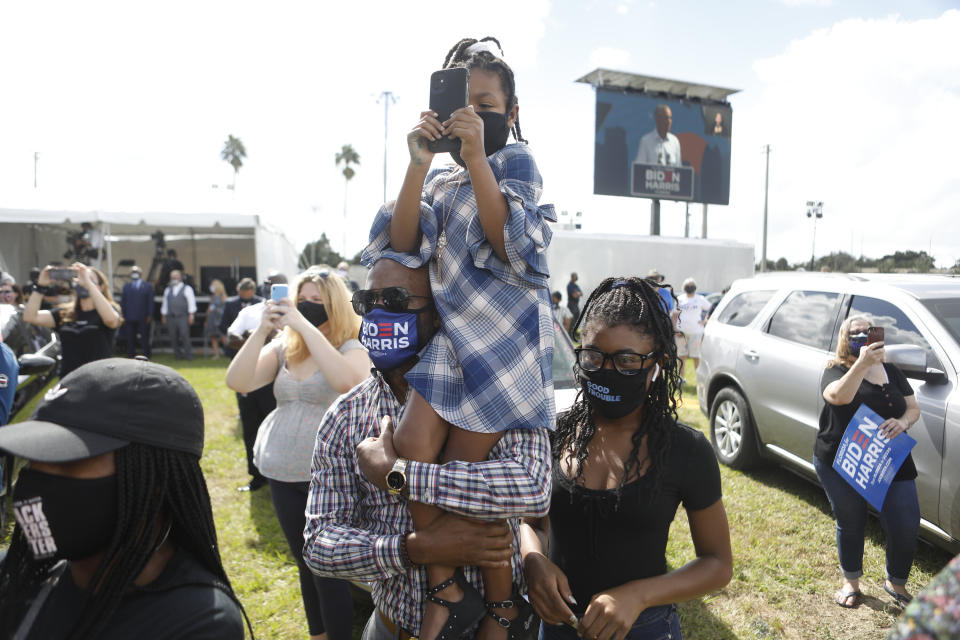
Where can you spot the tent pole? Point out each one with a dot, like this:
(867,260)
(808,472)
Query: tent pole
(105,230)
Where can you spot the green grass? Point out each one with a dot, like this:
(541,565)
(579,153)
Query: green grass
(785,562)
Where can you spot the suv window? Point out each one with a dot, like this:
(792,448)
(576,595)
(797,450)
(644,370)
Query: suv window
(897,327)
(743,308)
(806,317)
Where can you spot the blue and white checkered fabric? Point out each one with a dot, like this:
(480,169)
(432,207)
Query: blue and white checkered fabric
(490,367)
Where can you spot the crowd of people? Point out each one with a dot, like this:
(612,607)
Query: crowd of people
(406,430)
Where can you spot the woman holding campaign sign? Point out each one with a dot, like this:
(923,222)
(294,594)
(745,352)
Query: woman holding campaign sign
(315,358)
(857,375)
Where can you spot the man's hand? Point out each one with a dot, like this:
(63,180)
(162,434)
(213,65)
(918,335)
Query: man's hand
(456,541)
(190,318)
(376,456)
(163,320)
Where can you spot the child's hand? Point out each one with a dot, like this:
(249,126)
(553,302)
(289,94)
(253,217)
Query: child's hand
(466,125)
(427,129)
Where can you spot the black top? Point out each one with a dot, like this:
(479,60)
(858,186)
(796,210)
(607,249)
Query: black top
(600,545)
(84,340)
(888,400)
(182,603)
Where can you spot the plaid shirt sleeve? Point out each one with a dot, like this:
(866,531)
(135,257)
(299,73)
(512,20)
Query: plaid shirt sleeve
(337,541)
(513,482)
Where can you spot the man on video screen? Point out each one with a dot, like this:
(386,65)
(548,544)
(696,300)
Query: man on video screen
(660,146)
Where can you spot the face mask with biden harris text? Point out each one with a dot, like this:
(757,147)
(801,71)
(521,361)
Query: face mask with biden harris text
(391,337)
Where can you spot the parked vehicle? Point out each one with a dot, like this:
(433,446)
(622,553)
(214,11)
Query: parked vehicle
(764,353)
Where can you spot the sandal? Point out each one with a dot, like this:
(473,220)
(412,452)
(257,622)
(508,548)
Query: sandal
(901,600)
(841,597)
(525,626)
(465,613)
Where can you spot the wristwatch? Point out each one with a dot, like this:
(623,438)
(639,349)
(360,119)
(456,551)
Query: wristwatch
(397,477)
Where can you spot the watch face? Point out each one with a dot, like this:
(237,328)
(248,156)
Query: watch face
(395,480)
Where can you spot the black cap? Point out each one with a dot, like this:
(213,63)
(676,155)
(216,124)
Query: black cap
(105,405)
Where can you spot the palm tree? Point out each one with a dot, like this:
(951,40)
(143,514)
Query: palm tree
(347,155)
(233,152)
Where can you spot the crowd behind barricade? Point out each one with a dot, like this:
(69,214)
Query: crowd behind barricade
(407,430)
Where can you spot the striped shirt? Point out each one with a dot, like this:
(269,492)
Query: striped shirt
(354,529)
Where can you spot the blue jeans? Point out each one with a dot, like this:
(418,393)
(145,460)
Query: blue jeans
(655,623)
(900,518)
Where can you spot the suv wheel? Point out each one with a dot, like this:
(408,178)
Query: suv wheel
(731,430)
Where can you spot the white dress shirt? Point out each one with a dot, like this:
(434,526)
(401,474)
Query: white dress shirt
(247,320)
(656,150)
(173,291)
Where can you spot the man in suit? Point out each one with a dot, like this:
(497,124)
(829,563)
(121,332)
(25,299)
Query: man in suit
(136,304)
(177,313)
(253,406)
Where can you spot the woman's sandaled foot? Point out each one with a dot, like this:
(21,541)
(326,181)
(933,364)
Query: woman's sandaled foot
(847,599)
(453,607)
(899,593)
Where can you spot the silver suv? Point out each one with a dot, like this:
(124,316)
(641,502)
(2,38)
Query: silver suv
(764,352)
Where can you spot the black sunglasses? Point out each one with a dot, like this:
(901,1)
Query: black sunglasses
(392,299)
(627,363)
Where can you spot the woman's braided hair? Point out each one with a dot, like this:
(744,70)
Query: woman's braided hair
(634,302)
(155,487)
(486,61)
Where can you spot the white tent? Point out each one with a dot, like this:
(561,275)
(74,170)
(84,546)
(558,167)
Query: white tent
(35,237)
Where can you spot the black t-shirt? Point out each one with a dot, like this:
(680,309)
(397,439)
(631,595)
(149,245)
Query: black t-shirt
(182,603)
(888,400)
(599,544)
(84,340)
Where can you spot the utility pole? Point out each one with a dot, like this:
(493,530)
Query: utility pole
(815,211)
(766,191)
(36,158)
(686,222)
(388,99)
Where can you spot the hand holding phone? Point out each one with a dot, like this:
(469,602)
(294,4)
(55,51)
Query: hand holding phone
(874,334)
(278,292)
(62,274)
(449,91)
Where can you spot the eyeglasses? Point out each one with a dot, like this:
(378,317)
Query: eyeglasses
(393,299)
(627,363)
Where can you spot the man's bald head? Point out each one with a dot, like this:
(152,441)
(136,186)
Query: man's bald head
(390,273)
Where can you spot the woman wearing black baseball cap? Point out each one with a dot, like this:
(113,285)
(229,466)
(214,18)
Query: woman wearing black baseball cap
(115,536)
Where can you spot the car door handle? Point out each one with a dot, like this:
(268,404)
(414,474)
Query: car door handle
(751,354)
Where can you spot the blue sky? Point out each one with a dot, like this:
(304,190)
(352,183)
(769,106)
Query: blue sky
(129,104)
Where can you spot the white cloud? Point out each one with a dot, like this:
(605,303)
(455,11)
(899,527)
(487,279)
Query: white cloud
(863,117)
(609,58)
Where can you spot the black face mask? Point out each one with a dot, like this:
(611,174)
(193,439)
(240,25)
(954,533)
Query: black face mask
(495,134)
(612,394)
(63,517)
(689,290)
(82,291)
(314,312)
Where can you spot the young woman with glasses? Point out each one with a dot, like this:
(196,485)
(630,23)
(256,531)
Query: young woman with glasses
(315,358)
(622,464)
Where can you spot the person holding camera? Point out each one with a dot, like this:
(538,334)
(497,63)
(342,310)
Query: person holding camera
(858,375)
(86,325)
(315,358)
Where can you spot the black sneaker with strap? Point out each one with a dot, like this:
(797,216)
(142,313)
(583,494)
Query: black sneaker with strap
(465,613)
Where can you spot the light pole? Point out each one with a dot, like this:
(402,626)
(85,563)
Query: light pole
(388,99)
(815,211)
(766,191)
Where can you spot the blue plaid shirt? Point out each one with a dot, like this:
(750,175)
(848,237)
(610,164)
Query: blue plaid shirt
(354,529)
(490,368)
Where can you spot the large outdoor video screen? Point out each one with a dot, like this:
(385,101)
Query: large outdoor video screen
(664,148)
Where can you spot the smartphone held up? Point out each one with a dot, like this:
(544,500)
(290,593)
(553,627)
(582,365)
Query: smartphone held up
(874,334)
(449,91)
(278,292)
